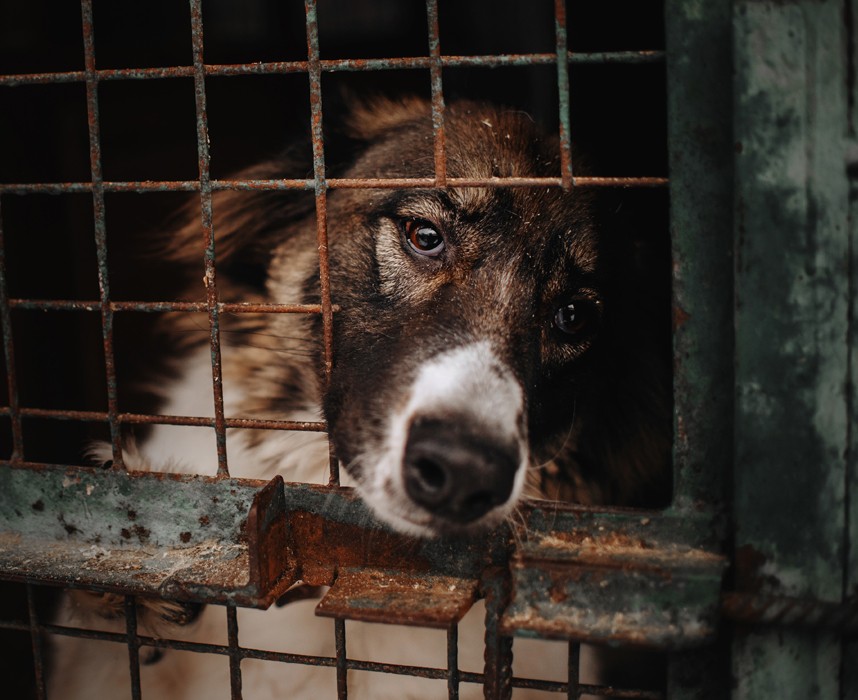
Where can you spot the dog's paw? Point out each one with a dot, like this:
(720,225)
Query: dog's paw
(171,611)
(150,611)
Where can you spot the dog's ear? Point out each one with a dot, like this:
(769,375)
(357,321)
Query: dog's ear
(376,117)
(248,225)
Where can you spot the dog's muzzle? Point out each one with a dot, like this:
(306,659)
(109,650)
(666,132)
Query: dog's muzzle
(456,456)
(455,474)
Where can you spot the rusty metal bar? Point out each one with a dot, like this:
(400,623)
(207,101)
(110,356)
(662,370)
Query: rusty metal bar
(331,662)
(342,659)
(319,182)
(601,691)
(498,647)
(372,183)
(234,652)
(574,671)
(100,226)
(16,625)
(9,353)
(453,662)
(165,306)
(439,139)
(156,419)
(566,174)
(204,159)
(334,65)
(133,642)
(36,642)
(320,189)
(784,611)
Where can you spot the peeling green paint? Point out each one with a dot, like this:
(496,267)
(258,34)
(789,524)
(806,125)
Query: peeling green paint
(793,301)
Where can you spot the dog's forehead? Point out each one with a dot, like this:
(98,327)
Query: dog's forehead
(542,223)
(550,228)
(480,142)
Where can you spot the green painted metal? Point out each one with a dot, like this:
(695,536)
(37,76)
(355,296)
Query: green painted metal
(188,538)
(699,78)
(700,146)
(849,662)
(793,301)
(619,578)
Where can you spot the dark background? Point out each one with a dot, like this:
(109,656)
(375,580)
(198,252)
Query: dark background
(148,131)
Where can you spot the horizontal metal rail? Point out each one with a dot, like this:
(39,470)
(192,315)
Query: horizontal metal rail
(369,183)
(164,306)
(743,608)
(335,66)
(327,661)
(787,612)
(156,419)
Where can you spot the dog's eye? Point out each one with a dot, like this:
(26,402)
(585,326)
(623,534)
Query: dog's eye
(423,238)
(577,317)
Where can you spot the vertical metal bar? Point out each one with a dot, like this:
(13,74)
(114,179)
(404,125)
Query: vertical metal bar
(133,646)
(36,641)
(498,651)
(438,129)
(563,93)
(321,190)
(100,225)
(234,652)
(342,659)
(453,662)
(700,149)
(699,67)
(574,671)
(204,158)
(9,351)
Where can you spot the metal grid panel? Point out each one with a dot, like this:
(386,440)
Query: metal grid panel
(497,677)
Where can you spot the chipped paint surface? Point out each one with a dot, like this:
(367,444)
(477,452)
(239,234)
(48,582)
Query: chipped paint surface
(372,595)
(243,541)
(185,537)
(701,166)
(793,300)
(622,579)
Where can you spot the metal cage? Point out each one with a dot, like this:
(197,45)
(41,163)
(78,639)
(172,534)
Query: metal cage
(754,160)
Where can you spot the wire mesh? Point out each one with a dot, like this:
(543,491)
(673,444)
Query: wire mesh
(497,677)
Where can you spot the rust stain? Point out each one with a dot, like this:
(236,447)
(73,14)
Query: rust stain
(394,597)
(680,317)
(321,545)
(749,576)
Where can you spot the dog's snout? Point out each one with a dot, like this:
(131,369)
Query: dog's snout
(456,475)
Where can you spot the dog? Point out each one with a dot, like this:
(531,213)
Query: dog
(489,343)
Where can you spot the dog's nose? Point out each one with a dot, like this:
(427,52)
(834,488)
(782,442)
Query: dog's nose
(454,474)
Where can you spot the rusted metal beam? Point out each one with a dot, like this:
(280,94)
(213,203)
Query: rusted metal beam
(180,537)
(245,542)
(616,579)
(373,595)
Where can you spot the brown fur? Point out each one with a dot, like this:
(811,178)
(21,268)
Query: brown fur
(611,446)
